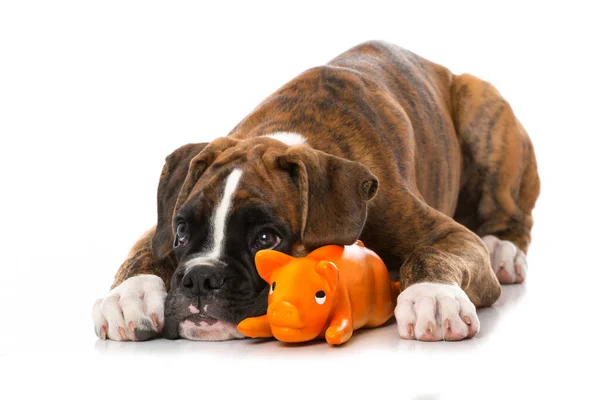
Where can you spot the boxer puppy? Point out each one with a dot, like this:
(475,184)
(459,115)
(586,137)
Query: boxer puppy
(431,170)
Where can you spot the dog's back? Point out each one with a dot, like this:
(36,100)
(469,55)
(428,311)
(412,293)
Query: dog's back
(380,105)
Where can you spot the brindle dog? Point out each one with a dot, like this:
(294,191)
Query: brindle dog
(431,170)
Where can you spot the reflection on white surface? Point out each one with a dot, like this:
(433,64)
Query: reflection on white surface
(420,370)
(532,340)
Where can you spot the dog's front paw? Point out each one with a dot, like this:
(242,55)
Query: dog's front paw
(134,310)
(435,311)
(508,262)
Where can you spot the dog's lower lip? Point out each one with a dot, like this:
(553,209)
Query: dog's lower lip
(199,318)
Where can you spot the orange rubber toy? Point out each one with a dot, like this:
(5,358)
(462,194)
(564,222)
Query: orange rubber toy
(329,293)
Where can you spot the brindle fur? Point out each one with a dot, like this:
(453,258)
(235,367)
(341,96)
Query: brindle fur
(441,146)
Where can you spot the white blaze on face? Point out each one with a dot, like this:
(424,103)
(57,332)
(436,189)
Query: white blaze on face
(219,221)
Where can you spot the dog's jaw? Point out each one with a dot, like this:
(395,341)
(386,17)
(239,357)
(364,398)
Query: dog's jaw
(199,326)
(208,329)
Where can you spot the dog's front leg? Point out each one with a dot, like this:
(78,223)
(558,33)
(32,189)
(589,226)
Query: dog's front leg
(443,280)
(134,307)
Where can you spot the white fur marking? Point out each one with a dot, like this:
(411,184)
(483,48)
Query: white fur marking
(289,138)
(122,305)
(435,311)
(505,255)
(219,221)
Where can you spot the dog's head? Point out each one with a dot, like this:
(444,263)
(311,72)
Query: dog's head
(220,203)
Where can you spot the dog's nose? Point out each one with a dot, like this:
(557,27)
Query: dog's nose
(201,279)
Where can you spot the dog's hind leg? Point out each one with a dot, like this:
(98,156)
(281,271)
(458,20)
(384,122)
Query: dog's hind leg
(500,183)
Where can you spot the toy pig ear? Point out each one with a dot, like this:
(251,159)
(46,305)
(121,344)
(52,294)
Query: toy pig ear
(268,261)
(329,271)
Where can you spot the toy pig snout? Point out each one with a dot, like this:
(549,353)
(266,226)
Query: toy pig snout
(284,314)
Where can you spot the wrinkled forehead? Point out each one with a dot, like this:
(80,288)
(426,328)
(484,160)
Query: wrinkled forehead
(236,181)
(255,158)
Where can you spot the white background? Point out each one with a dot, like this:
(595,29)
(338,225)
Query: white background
(94,95)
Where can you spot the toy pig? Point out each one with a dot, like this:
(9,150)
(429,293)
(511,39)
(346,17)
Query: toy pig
(331,292)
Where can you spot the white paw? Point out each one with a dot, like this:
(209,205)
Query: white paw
(435,311)
(134,310)
(508,262)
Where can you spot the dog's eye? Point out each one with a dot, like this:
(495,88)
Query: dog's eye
(266,239)
(272,288)
(320,297)
(181,235)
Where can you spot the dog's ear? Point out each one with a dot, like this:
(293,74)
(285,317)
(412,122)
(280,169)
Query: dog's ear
(172,177)
(334,193)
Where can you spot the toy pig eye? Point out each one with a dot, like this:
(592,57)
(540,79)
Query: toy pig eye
(272,288)
(320,297)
